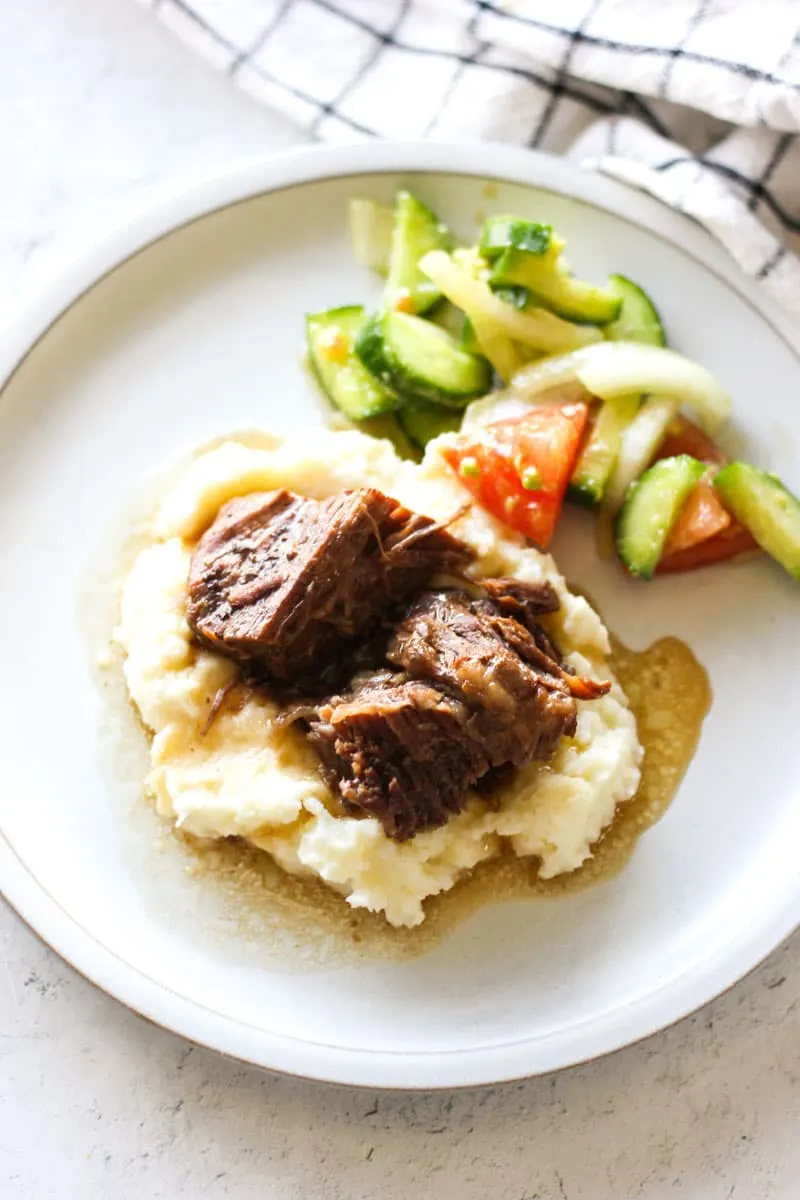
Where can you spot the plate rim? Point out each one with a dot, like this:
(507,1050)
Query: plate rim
(184,1016)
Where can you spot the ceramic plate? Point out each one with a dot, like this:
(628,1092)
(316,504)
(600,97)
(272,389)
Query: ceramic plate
(188,323)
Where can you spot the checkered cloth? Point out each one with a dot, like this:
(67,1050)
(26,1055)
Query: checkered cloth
(695,101)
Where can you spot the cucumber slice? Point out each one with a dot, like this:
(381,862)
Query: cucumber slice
(351,388)
(517,297)
(415,357)
(468,341)
(448,317)
(496,346)
(596,463)
(371,226)
(480,335)
(651,509)
(536,328)
(638,320)
(424,422)
(767,508)
(416,231)
(503,233)
(551,286)
(639,442)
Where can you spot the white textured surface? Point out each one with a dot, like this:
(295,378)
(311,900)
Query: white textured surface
(98,111)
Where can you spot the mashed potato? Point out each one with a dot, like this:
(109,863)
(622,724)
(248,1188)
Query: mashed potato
(247,776)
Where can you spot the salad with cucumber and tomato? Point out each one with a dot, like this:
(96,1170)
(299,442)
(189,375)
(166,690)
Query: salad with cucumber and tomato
(544,389)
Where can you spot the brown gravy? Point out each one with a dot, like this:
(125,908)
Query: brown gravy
(670,695)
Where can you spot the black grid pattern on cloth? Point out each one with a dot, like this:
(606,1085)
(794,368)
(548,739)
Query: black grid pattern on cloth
(402,68)
(680,50)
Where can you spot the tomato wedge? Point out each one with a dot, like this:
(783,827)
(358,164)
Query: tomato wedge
(519,469)
(705,532)
(730,543)
(702,517)
(687,438)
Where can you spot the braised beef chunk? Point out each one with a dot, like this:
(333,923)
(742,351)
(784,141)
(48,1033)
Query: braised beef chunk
(526,602)
(534,646)
(475,697)
(305,593)
(288,581)
(521,706)
(398,750)
(522,598)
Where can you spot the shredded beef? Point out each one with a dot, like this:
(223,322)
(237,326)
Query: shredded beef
(520,710)
(317,597)
(290,582)
(398,750)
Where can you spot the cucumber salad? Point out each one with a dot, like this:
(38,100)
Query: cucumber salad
(548,388)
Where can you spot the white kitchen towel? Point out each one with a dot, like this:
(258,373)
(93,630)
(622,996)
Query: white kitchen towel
(696,101)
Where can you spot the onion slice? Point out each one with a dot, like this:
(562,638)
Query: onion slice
(371,226)
(619,368)
(640,441)
(532,327)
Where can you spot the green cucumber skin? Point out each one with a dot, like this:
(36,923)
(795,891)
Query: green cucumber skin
(370,349)
(347,385)
(502,233)
(650,510)
(517,297)
(585,492)
(599,455)
(348,317)
(574,300)
(766,507)
(639,319)
(447,317)
(377,355)
(417,230)
(468,340)
(422,423)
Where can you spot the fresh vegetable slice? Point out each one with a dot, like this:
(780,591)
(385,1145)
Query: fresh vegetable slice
(495,345)
(330,336)
(537,328)
(501,233)
(767,508)
(517,297)
(519,469)
(448,317)
(424,422)
(684,437)
(638,319)
(416,231)
(415,357)
(596,461)
(550,285)
(638,447)
(731,543)
(621,368)
(499,349)
(470,259)
(371,226)
(468,340)
(506,404)
(702,517)
(651,509)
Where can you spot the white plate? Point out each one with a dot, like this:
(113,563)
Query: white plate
(188,322)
